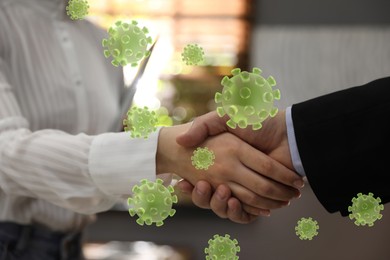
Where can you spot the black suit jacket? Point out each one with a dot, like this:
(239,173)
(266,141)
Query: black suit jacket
(343,139)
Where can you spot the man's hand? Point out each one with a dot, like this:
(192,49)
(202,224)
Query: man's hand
(252,177)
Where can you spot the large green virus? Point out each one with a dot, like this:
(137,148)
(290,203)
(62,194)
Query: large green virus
(127,43)
(152,202)
(306,228)
(365,209)
(247,98)
(77,9)
(140,122)
(222,248)
(202,158)
(192,54)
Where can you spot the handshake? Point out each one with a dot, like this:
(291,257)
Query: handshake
(252,173)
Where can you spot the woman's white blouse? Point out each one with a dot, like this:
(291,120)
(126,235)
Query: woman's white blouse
(62,155)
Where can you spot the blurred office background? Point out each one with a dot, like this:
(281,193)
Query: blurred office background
(311,48)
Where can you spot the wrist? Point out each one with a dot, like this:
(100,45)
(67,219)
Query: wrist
(163,155)
(284,139)
(170,156)
(293,152)
(280,150)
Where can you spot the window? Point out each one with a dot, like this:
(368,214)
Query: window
(220,27)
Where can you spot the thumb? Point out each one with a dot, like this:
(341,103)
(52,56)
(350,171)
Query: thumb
(202,127)
(195,135)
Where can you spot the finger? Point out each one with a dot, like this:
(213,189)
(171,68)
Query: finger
(256,211)
(269,167)
(236,212)
(219,200)
(184,186)
(264,187)
(201,194)
(259,169)
(202,127)
(252,199)
(226,206)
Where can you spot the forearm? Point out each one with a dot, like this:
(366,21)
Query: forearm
(74,171)
(50,165)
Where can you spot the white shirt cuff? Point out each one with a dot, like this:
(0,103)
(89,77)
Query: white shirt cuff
(117,162)
(296,159)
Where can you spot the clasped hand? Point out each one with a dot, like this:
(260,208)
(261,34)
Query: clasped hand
(251,174)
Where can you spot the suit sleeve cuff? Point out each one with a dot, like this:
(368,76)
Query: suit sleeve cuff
(296,159)
(117,162)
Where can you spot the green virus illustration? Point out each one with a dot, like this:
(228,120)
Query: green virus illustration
(365,209)
(222,248)
(127,43)
(140,122)
(202,158)
(152,202)
(247,98)
(77,9)
(306,228)
(192,54)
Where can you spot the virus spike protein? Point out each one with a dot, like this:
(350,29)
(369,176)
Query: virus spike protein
(306,228)
(140,122)
(152,202)
(77,9)
(365,209)
(222,248)
(127,43)
(202,158)
(247,98)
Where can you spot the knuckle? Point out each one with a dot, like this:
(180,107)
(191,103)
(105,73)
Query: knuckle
(268,190)
(253,199)
(231,145)
(267,166)
(231,148)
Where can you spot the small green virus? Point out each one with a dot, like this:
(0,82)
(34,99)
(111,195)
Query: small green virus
(140,122)
(127,43)
(152,202)
(222,248)
(202,158)
(306,228)
(365,209)
(192,54)
(163,118)
(77,9)
(247,98)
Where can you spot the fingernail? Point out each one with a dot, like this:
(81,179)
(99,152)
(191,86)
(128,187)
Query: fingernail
(298,195)
(200,191)
(298,184)
(221,195)
(265,213)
